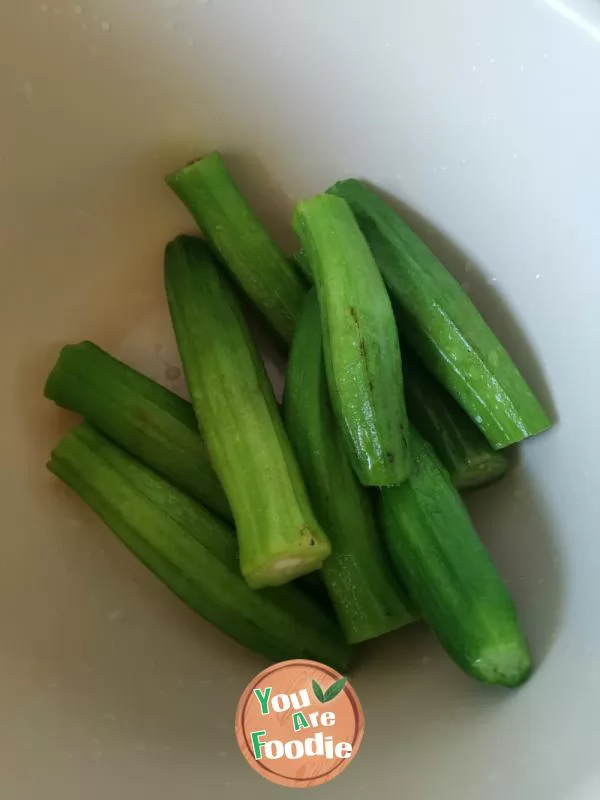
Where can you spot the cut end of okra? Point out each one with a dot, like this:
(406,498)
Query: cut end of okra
(211,161)
(508,664)
(285,567)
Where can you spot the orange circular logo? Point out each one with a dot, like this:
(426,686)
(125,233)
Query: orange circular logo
(299,723)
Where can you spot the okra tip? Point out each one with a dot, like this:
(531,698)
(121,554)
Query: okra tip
(185,247)
(479,472)
(61,368)
(507,665)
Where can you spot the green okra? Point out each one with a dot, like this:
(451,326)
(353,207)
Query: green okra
(193,552)
(439,320)
(360,340)
(279,537)
(246,249)
(367,597)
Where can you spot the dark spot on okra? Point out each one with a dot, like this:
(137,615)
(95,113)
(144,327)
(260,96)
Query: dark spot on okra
(142,414)
(390,457)
(307,533)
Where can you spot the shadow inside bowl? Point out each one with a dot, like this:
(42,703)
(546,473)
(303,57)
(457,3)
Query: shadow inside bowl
(260,187)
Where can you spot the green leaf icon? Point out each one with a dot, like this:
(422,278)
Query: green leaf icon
(318,692)
(334,690)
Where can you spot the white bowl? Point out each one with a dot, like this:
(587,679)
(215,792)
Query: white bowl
(482,119)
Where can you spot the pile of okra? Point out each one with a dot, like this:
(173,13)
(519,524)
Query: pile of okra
(304,529)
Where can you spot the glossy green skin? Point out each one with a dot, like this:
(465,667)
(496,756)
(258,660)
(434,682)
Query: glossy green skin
(367,597)
(142,417)
(441,323)
(279,537)
(360,341)
(449,575)
(193,553)
(243,244)
(461,447)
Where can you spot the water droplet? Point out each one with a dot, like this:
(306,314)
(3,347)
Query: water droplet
(515,156)
(105,26)
(116,614)
(493,280)
(58,11)
(492,60)
(522,68)
(474,68)
(27,89)
(78,10)
(191,43)
(140,747)
(538,276)
(84,27)
(44,8)
(110,717)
